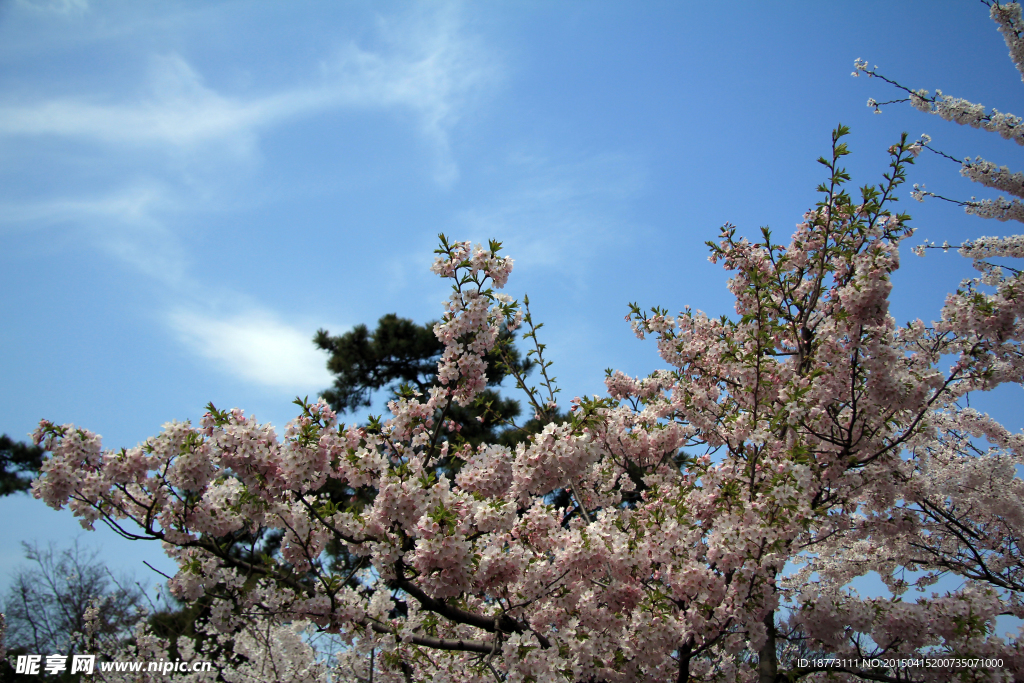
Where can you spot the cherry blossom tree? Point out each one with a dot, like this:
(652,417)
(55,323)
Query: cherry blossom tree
(810,428)
(716,511)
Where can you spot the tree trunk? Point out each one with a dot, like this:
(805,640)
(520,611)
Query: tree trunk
(767,662)
(684,664)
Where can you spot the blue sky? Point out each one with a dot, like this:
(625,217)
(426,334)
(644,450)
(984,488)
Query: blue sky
(189,190)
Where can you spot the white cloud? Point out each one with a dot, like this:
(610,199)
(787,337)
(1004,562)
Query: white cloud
(123,223)
(426,67)
(255,346)
(56,6)
(178,112)
(132,204)
(559,209)
(430,68)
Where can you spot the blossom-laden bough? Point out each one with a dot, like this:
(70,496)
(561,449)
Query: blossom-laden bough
(958,110)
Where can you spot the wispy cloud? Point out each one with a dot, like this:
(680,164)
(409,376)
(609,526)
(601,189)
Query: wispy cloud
(430,67)
(255,346)
(559,208)
(152,145)
(125,223)
(425,65)
(56,6)
(178,111)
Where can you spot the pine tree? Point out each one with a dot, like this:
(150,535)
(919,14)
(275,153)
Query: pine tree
(19,462)
(401,356)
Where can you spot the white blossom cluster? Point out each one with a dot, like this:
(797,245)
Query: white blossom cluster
(1001,209)
(996,177)
(1009,19)
(994,247)
(959,110)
